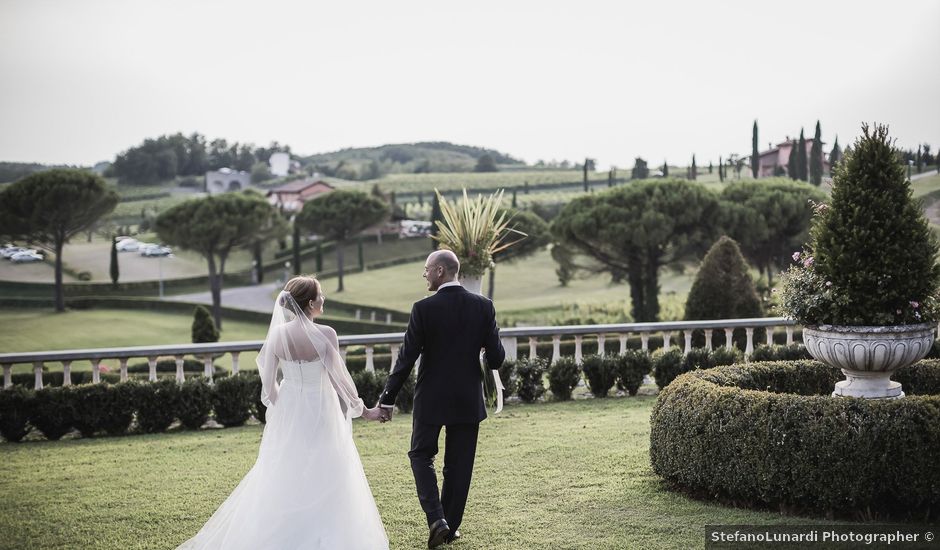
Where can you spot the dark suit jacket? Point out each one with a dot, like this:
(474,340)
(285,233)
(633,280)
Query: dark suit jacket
(448,330)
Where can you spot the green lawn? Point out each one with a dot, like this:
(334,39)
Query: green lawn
(551,475)
(42,330)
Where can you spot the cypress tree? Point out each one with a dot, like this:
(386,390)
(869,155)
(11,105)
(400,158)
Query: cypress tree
(721,171)
(709,167)
(755,154)
(259,264)
(296,248)
(835,155)
(610,178)
(801,162)
(204,329)
(585,175)
(437,216)
(665,170)
(115,272)
(919,159)
(792,170)
(362,258)
(514,198)
(694,169)
(723,289)
(319,257)
(816,158)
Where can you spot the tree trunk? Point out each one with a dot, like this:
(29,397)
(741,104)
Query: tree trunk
(652,289)
(339,263)
(492,283)
(59,296)
(215,288)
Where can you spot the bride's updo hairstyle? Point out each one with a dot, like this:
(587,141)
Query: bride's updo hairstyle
(303,290)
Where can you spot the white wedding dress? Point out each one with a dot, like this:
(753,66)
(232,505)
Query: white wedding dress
(307,489)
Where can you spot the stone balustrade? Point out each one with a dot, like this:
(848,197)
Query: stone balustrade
(509,336)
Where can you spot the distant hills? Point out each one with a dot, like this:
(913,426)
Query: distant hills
(428,156)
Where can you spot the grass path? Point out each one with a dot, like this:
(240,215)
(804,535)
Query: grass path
(551,475)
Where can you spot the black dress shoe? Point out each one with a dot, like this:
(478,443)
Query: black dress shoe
(452,537)
(439,533)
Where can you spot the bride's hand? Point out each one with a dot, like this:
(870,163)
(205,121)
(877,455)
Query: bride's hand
(372,414)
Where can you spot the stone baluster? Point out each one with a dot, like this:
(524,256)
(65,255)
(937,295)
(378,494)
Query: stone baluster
(372,316)
(358,314)
(388,318)
(770,336)
(180,376)
(645,341)
(688,340)
(533,347)
(789,335)
(207,364)
(124,361)
(666,337)
(235,362)
(578,340)
(709,333)
(393,349)
(510,347)
(601,340)
(749,348)
(7,375)
(37,372)
(729,342)
(623,343)
(556,348)
(370,363)
(95,371)
(152,361)
(66,373)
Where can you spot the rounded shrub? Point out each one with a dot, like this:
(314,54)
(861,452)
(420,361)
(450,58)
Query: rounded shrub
(118,408)
(631,367)
(203,329)
(507,374)
(770,435)
(194,403)
(530,373)
(367,384)
(667,365)
(52,412)
(156,405)
(88,406)
(793,352)
(563,378)
(601,374)
(231,400)
(16,405)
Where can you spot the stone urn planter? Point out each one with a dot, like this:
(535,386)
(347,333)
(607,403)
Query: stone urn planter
(868,356)
(472,284)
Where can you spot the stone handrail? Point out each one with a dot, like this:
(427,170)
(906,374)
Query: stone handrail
(509,337)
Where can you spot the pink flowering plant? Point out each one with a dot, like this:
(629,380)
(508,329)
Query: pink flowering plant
(872,257)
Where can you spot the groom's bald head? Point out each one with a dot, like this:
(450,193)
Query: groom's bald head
(441,267)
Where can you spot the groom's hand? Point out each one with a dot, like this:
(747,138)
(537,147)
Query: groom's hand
(385,411)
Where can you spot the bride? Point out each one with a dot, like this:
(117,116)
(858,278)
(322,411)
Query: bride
(307,489)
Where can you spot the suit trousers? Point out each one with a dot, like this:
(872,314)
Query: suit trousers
(460,446)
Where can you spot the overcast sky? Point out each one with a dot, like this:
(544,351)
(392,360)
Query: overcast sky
(81,81)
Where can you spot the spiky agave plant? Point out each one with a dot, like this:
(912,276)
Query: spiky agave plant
(475,229)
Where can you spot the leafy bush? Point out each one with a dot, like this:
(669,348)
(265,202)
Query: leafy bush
(769,434)
(195,403)
(723,289)
(563,378)
(16,405)
(507,374)
(406,396)
(258,409)
(667,365)
(157,403)
(88,404)
(369,386)
(631,367)
(204,329)
(793,352)
(169,365)
(601,374)
(529,373)
(922,378)
(725,356)
(53,412)
(117,410)
(231,399)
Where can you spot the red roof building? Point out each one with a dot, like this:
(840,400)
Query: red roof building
(292,195)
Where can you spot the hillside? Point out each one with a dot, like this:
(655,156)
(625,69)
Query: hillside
(437,156)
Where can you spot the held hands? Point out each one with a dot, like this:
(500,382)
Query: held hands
(377,413)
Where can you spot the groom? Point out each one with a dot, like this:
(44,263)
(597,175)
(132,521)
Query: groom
(448,330)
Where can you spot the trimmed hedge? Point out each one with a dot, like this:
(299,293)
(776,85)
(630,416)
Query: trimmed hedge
(770,435)
(157,403)
(52,412)
(601,374)
(530,373)
(16,406)
(231,400)
(507,374)
(563,378)
(195,403)
(632,366)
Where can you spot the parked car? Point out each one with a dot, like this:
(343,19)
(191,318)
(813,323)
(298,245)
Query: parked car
(26,256)
(8,251)
(127,245)
(155,250)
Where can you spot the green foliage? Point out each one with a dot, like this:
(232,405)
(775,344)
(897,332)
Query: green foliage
(835,156)
(203,329)
(258,409)
(769,219)
(816,158)
(368,386)
(509,378)
(536,231)
(769,434)
(867,263)
(16,408)
(755,153)
(921,378)
(87,405)
(485,164)
(260,172)
(157,403)
(48,208)
(792,161)
(403,158)
(114,268)
(802,168)
(637,229)
(668,364)
(231,399)
(195,403)
(722,288)
(530,373)
(640,170)
(793,352)
(52,412)
(601,374)
(631,367)
(563,378)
